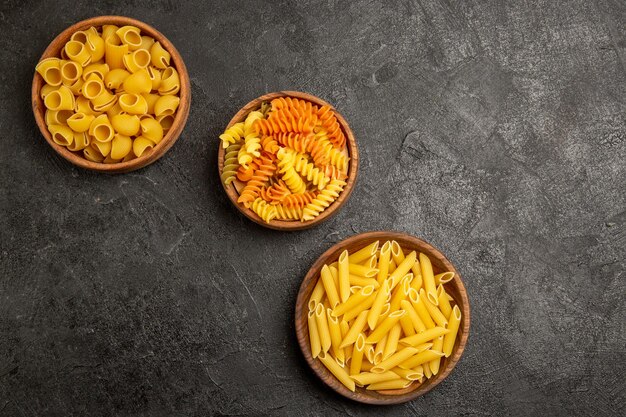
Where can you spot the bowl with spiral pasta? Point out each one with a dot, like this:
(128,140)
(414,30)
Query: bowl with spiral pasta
(111,94)
(382,317)
(288,160)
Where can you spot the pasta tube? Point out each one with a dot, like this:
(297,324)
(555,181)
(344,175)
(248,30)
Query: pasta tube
(401,292)
(361,270)
(395,359)
(384,327)
(424,337)
(353,301)
(392,341)
(402,269)
(433,310)
(444,304)
(357,355)
(429,279)
(314,336)
(434,364)
(420,308)
(413,317)
(335,338)
(322,327)
(367,378)
(363,282)
(392,384)
(453,327)
(329,286)
(377,306)
(363,254)
(316,295)
(344,277)
(383,262)
(338,371)
(410,374)
(356,328)
(379,349)
(369,301)
(424,357)
(444,278)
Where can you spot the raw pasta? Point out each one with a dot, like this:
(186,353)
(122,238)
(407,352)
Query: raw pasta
(112,95)
(306,146)
(383,333)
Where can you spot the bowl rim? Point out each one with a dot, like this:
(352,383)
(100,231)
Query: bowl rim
(397,396)
(53,50)
(353,167)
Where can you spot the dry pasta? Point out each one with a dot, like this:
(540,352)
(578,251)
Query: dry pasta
(382,334)
(112,95)
(306,143)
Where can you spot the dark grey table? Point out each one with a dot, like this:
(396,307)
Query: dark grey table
(495,131)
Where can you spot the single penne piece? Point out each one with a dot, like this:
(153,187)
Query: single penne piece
(444,304)
(353,301)
(369,353)
(329,286)
(356,328)
(377,305)
(401,292)
(316,295)
(335,274)
(410,374)
(383,328)
(417,282)
(383,262)
(427,372)
(407,325)
(344,276)
(429,279)
(433,310)
(370,263)
(453,328)
(337,370)
(366,366)
(335,337)
(379,349)
(396,253)
(363,254)
(363,282)
(366,378)
(314,337)
(351,314)
(420,308)
(425,336)
(392,266)
(322,327)
(423,347)
(362,271)
(424,357)
(434,364)
(385,312)
(345,327)
(414,318)
(355,289)
(402,269)
(444,278)
(399,383)
(395,359)
(357,355)
(393,337)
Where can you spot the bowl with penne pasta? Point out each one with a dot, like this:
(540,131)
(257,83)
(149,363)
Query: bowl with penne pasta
(288,160)
(111,94)
(382,317)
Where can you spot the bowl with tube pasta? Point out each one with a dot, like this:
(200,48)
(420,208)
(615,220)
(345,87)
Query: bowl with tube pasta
(288,160)
(111,94)
(382,317)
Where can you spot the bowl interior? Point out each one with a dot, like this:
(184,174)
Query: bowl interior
(53,50)
(353,153)
(440,264)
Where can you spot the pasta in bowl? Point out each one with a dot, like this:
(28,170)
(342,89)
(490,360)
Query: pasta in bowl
(382,317)
(111,94)
(288,160)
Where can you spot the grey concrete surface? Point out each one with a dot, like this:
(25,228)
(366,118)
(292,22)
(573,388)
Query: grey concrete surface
(495,130)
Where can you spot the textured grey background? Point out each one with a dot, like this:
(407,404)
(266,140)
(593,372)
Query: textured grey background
(495,131)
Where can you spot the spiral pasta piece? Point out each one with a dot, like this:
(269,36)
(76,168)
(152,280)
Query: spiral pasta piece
(269,144)
(263,210)
(232,135)
(297,141)
(324,199)
(259,179)
(277,192)
(309,171)
(299,200)
(288,172)
(331,126)
(244,174)
(288,213)
(230,163)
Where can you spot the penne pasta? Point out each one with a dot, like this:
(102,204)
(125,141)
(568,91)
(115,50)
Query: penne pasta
(322,327)
(399,383)
(444,304)
(433,310)
(379,349)
(353,301)
(362,271)
(401,292)
(363,282)
(434,364)
(377,305)
(336,337)
(367,378)
(393,337)
(424,357)
(357,355)
(338,371)
(314,337)
(416,323)
(429,279)
(410,374)
(453,328)
(355,329)
(363,254)
(402,269)
(316,295)
(344,277)
(444,278)
(421,310)
(383,262)
(384,327)
(395,359)
(351,314)
(329,286)
(424,337)
(345,327)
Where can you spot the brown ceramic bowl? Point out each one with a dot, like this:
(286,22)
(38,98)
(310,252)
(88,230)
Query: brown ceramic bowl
(54,49)
(353,168)
(455,288)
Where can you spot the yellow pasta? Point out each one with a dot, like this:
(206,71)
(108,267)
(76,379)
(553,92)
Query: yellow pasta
(115,78)
(81,141)
(424,336)
(453,327)
(401,292)
(336,337)
(402,269)
(101,130)
(344,278)
(329,286)
(361,270)
(166,105)
(429,279)
(367,378)
(434,364)
(77,52)
(420,309)
(137,60)
(366,304)
(357,355)
(356,328)
(377,305)
(424,357)
(314,337)
(413,318)
(383,262)
(365,253)
(444,303)
(95,44)
(337,370)
(379,349)
(393,337)
(129,35)
(151,129)
(80,122)
(61,135)
(114,52)
(170,82)
(433,310)
(50,71)
(444,278)
(383,328)
(159,56)
(104,148)
(392,384)
(138,82)
(362,281)
(70,72)
(57,117)
(395,359)
(133,103)
(127,124)
(142,145)
(60,99)
(410,374)
(99,70)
